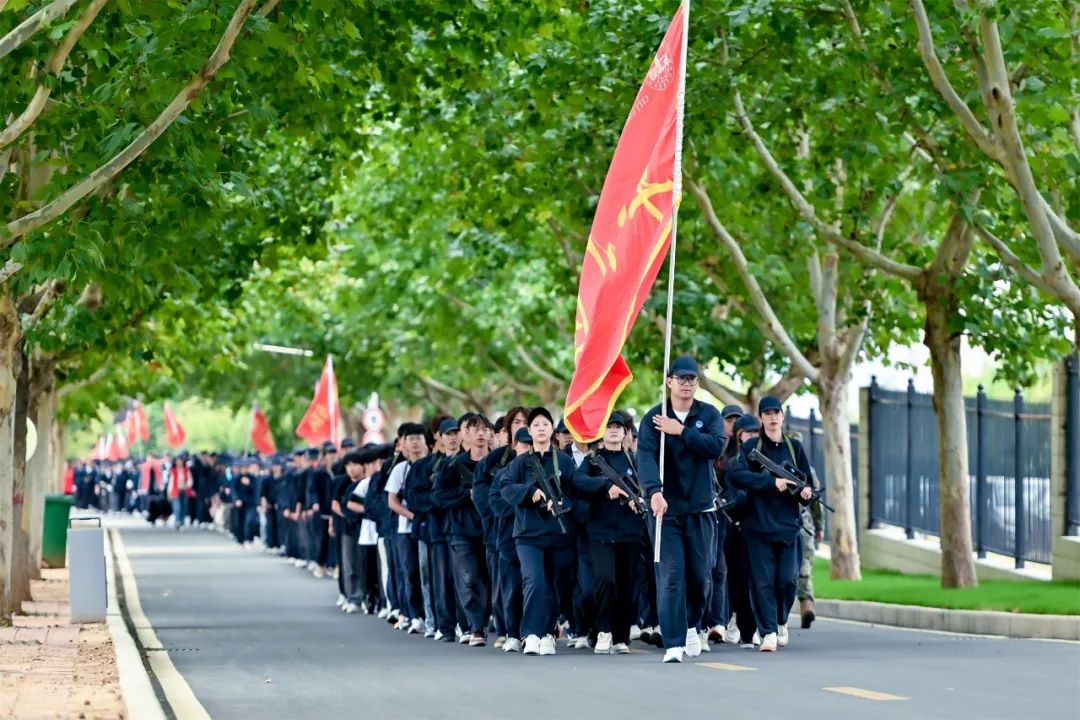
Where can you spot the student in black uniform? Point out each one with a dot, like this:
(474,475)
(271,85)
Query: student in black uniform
(615,529)
(694,435)
(738,563)
(545,547)
(486,469)
(509,571)
(773,524)
(718,610)
(453,491)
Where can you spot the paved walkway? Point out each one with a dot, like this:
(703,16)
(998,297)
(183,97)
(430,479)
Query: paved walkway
(50,668)
(257,638)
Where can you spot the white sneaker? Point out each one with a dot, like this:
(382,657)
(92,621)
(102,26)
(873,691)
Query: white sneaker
(620,649)
(674,655)
(341,600)
(464,639)
(394,617)
(757,638)
(429,634)
(351,608)
(603,644)
(782,636)
(478,639)
(500,640)
(383,614)
(514,645)
(532,645)
(635,633)
(416,626)
(646,635)
(318,573)
(705,642)
(571,639)
(717,633)
(732,636)
(310,565)
(547,645)
(693,642)
(768,643)
(582,643)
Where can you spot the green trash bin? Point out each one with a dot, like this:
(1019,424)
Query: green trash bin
(54,538)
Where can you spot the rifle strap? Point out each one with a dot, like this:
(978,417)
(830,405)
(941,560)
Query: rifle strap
(609,472)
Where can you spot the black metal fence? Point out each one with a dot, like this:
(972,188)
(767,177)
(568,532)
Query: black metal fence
(1008,456)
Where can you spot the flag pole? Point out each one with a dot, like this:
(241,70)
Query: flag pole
(676,201)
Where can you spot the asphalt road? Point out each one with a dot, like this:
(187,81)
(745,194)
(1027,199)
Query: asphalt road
(256,638)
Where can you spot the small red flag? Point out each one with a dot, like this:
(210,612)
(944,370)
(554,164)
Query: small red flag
(174,431)
(322,420)
(261,437)
(131,430)
(142,425)
(117,447)
(630,234)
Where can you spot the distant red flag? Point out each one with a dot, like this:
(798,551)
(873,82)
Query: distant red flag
(142,425)
(174,431)
(261,437)
(130,428)
(101,449)
(117,447)
(322,420)
(630,234)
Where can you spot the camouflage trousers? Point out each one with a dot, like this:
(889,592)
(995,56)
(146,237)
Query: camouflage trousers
(805,589)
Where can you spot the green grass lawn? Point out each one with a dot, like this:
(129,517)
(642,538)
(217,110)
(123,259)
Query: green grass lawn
(1027,596)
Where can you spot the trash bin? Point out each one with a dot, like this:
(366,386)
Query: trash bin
(86,578)
(54,532)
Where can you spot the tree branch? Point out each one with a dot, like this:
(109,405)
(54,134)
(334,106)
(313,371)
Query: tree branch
(1022,269)
(852,342)
(1035,206)
(721,392)
(979,134)
(772,325)
(788,385)
(94,377)
(26,29)
(830,233)
(52,67)
(9,269)
(444,389)
(60,204)
(535,366)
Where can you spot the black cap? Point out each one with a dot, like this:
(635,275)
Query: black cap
(329,447)
(684,365)
(769,403)
(448,425)
(410,428)
(348,443)
(523,436)
(541,411)
(312,452)
(297,453)
(747,422)
(617,418)
(731,410)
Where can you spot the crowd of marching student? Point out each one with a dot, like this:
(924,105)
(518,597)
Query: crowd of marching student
(467,530)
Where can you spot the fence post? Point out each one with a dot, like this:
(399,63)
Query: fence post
(871,523)
(1018,479)
(980,473)
(810,436)
(909,477)
(1072,444)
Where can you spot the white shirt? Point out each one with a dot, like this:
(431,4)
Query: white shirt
(681,414)
(577,454)
(394,484)
(369,535)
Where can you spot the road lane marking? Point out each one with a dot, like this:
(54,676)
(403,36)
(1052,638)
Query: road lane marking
(865,694)
(725,666)
(178,694)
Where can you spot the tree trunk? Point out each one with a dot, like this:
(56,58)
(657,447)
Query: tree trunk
(58,451)
(957,553)
(20,546)
(39,467)
(843,540)
(10,333)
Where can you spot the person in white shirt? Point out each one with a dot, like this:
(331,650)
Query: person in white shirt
(406,550)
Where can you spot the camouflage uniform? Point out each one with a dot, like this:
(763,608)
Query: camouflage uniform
(813,518)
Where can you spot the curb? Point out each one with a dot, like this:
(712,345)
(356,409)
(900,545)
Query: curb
(140,698)
(968,622)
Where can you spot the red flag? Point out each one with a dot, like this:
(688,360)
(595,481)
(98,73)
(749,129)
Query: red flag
(261,437)
(101,449)
(323,417)
(117,447)
(130,428)
(174,431)
(141,424)
(630,234)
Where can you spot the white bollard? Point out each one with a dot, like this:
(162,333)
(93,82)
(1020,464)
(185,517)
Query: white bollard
(86,570)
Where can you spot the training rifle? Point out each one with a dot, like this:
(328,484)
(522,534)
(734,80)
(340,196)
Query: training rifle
(558,508)
(633,493)
(786,472)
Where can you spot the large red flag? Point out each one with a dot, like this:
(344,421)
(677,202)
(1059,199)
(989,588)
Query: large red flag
(174,431)
(630,234)
(323,417)
(261,437)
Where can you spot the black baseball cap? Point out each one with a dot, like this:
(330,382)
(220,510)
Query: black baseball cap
(768,403)
(684,365)
(731,410)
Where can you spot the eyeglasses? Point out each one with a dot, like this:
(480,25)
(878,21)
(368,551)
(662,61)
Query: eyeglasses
(686,379)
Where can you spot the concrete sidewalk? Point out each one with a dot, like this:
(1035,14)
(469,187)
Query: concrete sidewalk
(52,668)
